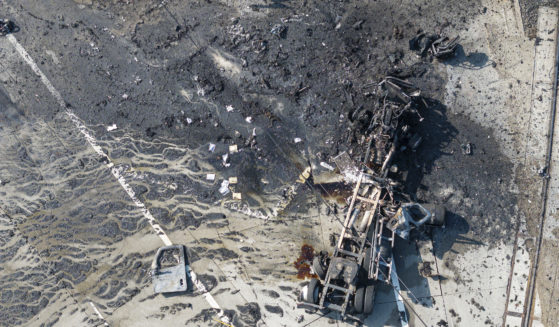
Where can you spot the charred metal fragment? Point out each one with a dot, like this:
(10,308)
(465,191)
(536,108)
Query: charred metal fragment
(434,44)
(7,27)
(443,47)
(169,270)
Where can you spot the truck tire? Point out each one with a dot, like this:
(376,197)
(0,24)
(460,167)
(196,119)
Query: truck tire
(369,300)
(318,269)
(312,292)
(358,300)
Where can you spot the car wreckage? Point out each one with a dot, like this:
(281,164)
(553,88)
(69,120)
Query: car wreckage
(376,212)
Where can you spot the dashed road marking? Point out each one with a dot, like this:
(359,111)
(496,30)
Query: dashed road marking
(115,172)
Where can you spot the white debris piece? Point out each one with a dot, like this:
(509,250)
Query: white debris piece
(229,108)
(210,177)
(111,128)
(233,148)
(347,167)
(254,132)
(225,158)
(327,166)
(224,188)
(248,119)
(125,96)
(232,180)
(212,147)
(237,196)
(297,140)
(188,120)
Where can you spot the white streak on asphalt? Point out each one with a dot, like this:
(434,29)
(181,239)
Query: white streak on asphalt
(98,313)
(114,170)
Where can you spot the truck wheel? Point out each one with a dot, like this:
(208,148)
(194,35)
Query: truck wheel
(358,300)
(318,269)
(312,292)
(369,300)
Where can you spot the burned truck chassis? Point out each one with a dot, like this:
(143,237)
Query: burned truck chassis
(363,255)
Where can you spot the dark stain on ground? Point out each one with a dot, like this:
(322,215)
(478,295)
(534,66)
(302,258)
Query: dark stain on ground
(249,315)
(337,192)
(303,263)
(274,309)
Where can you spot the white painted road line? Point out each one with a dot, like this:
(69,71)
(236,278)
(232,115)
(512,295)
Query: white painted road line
(114,170)
(98,313)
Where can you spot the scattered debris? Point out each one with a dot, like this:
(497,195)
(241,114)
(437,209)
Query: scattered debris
(422,42)
(443,47)
(279,30)
(225,160)
(357,25)
(304,175)
(327,166)
(433,44)
(7,27)
(467,148)
(229,108)
(414,215)
(347,167)
(111,128)
(425,269)
(401,90)
(248,119)
(543,172)
(408,216)
(415,142)
(224,188)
